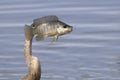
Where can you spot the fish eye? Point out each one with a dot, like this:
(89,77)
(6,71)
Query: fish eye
(65,26)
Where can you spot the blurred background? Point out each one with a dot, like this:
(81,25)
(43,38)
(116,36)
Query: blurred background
(90,52)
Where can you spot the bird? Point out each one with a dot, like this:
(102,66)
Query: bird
(32,62)
(42,27)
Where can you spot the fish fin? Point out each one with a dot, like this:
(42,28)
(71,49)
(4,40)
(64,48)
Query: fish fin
(28,32)
(40,37)
(45,19)
(55,38)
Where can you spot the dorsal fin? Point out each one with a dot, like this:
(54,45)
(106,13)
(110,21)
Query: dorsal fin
(46,19)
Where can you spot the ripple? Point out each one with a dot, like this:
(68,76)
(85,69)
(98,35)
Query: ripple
(34,5)
(90,52)
(97,25)
(107,12)
(54,9)
(11,24)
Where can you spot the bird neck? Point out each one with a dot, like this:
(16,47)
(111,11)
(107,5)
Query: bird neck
(28,45)
(32,62)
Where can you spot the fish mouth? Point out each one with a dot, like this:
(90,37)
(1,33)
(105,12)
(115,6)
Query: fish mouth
(70,29)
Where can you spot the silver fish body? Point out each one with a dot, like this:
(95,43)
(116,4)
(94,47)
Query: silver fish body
(49,26)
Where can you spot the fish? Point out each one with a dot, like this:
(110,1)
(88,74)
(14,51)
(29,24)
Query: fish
(49,26)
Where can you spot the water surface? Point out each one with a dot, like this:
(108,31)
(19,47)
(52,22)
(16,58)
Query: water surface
(90,52)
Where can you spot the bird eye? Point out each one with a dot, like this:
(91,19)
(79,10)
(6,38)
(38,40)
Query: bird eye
(65,26)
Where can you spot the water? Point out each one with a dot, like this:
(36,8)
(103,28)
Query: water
(90,52)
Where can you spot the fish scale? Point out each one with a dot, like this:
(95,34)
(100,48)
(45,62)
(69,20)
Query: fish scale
(49,26)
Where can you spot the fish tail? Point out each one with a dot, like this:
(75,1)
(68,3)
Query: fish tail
(28,32)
